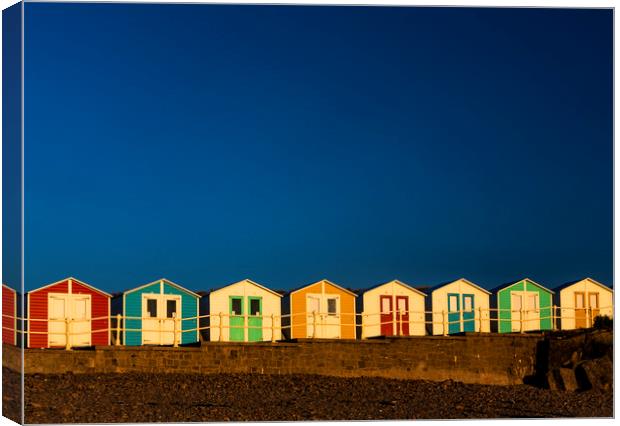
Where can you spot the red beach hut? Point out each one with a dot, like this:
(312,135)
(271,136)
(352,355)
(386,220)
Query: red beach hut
(68,303)
(9,315)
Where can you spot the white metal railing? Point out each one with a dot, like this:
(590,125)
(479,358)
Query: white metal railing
(401,321)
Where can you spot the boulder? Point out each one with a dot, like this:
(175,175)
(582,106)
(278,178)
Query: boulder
(569,380)
(595,374)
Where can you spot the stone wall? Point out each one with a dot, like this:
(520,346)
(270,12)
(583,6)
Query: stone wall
(486,358)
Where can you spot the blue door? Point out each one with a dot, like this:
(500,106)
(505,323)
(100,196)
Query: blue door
(469,319)
(454,316)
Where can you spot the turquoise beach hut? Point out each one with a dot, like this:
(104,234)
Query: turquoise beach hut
(154,312)
(524,305)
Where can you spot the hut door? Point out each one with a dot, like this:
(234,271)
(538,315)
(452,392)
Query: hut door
(580,310)
(236,319)
(150,319)
(80,320)
(255,319)
(593,299)
(313,315)
(402,305)
(56,317)
(171,309)
(387,319)
(454,315)
(469,315)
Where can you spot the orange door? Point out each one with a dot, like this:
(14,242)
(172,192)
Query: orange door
(402,306)
(580,310)
(593,303)
(387,325)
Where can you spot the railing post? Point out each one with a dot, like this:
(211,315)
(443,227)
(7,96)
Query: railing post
(314,324)
(117,341)
(221,326)
(590,318)
(175,329)
(553,318)
(521,330)
(68,334)
(400,323)
(480,319)
(273,329)
(445,322)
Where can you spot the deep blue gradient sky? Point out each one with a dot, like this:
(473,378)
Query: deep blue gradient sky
(207,144)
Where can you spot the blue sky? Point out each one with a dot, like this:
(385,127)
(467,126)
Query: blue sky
(207,144)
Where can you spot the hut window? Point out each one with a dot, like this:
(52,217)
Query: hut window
(236,306)
(151,307)
(331,307)
(594,300)
(453,303)
(171,308)
(467,303)
(254,307)
(385,306)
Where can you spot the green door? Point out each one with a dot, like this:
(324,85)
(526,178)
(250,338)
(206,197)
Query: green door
(236,322)
(255,319)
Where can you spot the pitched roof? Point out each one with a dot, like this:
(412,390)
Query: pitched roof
(396,282)
(508,284)
(568,284)
(320,281)
(432,289)
(167,281)
(72,279)
(249,281)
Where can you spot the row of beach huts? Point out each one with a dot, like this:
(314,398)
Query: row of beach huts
(72,313)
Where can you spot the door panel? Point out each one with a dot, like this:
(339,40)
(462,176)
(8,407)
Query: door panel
(170,309)
(580,310)
(237,320)
(331,319)
(57,313)
(454,317)
(469,316)
(533,312)
(402,306)
(150,319)
(255,319)
(80,324)
(386,316)
(515,307)
(313,306)
(594,305)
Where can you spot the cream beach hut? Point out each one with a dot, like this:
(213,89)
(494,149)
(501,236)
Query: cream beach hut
(248,311)
(582,301)
(393,309)
(460,306)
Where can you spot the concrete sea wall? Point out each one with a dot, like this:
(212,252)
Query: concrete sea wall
(485,359)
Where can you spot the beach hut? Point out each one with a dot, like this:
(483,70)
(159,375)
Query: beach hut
(159,313)
(459,306)
(9,315)
(248,311)
(523,305)
(68,307)
(393,309)
(322,310)
(582,301)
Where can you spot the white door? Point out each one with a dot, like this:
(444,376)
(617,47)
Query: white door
(332,317)
(171,308)
(80,320)
(313,315)
(533,312)
(515,303)
(150,319)
(56,317)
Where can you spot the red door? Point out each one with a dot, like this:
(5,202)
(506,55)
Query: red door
(386,315)
(402,306)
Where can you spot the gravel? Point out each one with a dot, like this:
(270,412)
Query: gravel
(135,397)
